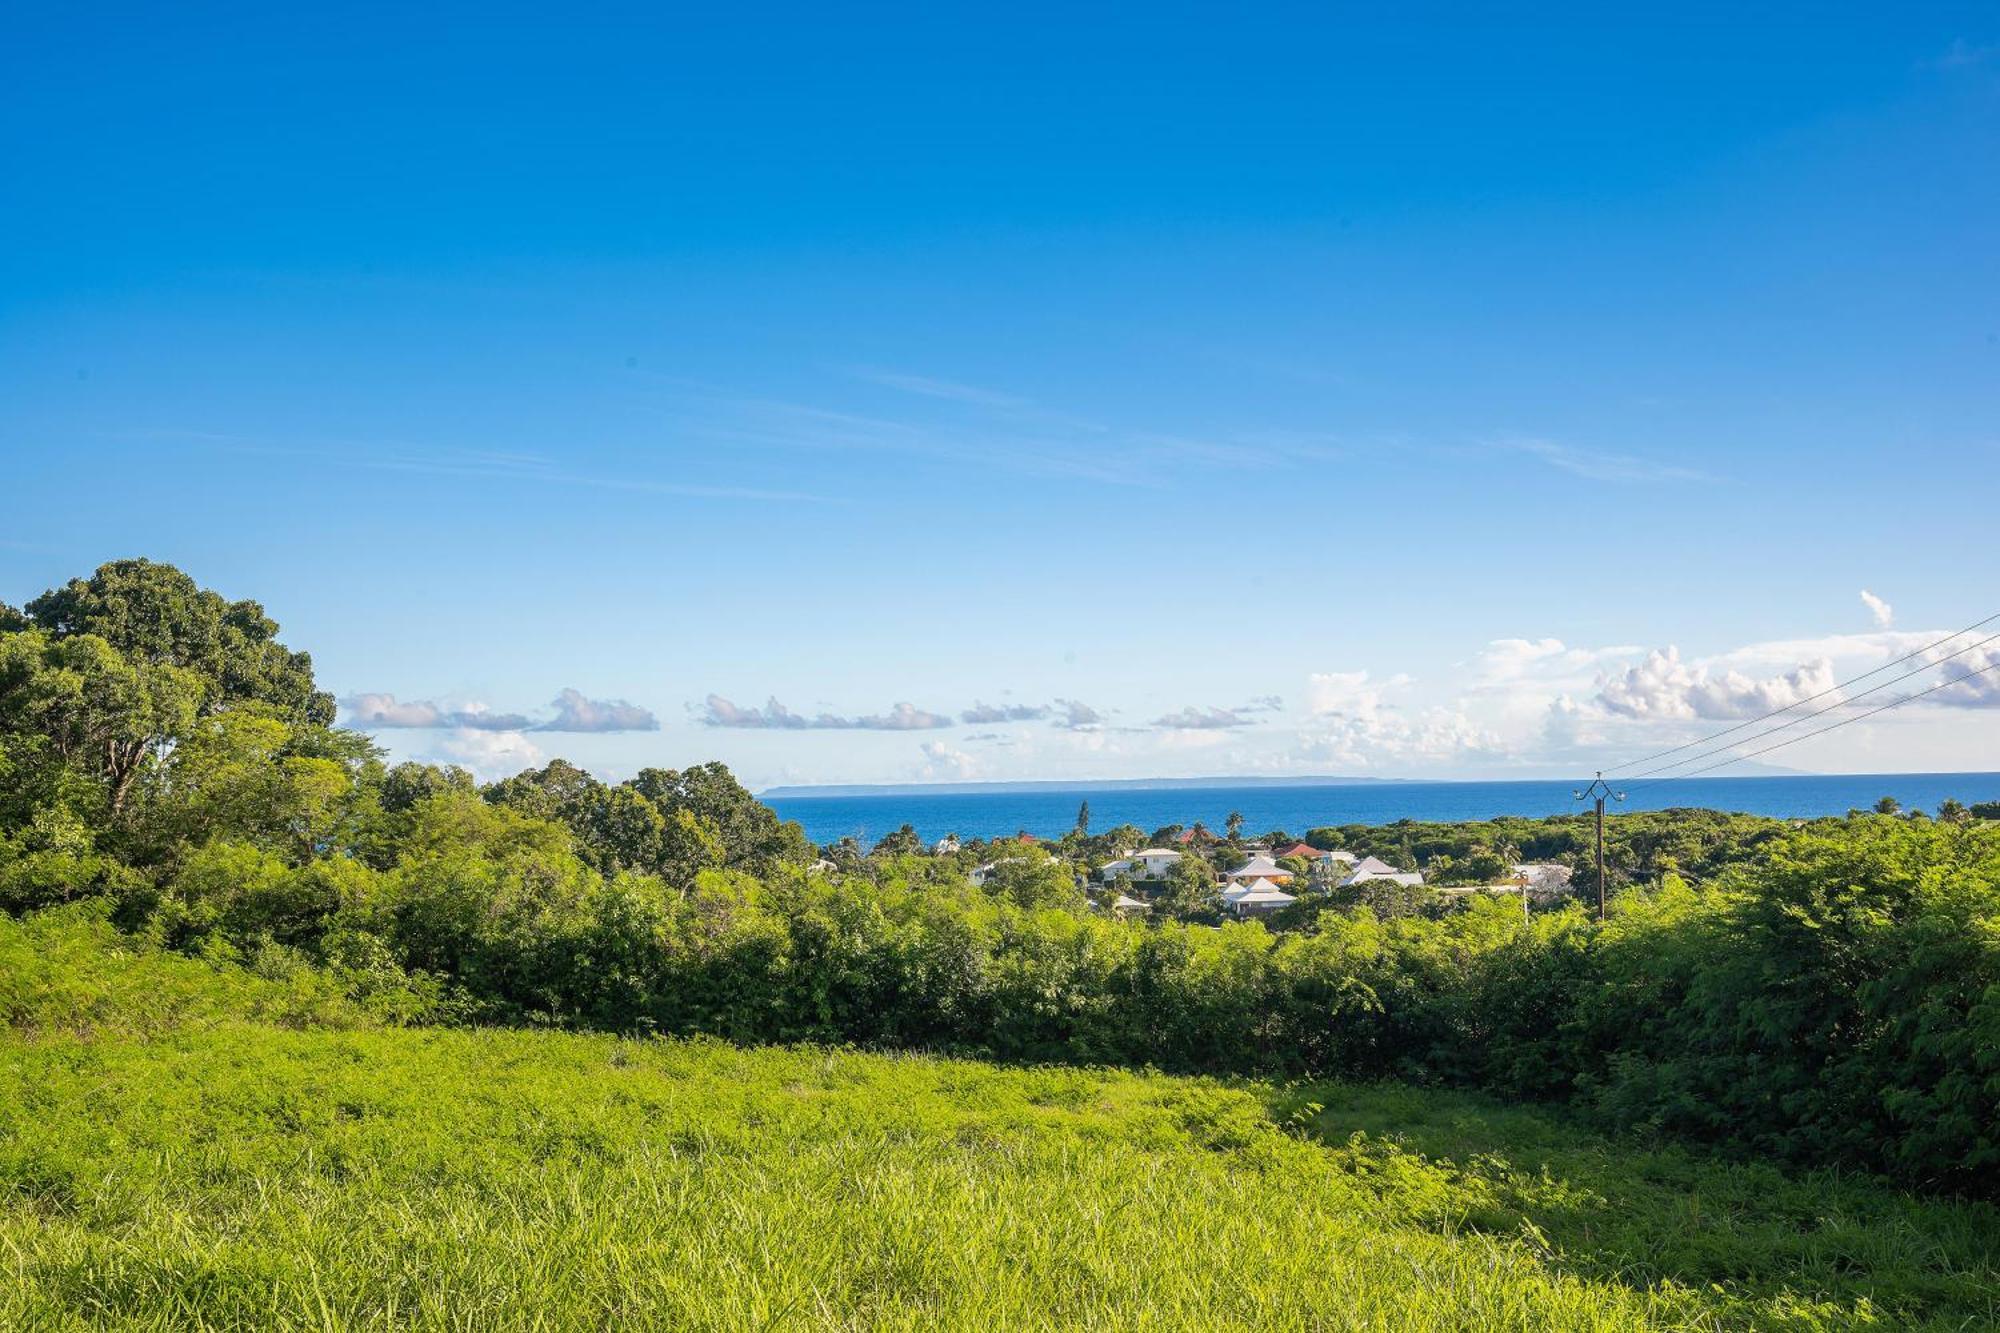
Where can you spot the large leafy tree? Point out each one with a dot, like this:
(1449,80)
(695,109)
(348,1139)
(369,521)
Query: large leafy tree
(156,615)
(91,707)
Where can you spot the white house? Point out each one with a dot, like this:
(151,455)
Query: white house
(1126,905)
(1260,867)
(1259,897)
(946,846)
(1153,863)
(1369,867)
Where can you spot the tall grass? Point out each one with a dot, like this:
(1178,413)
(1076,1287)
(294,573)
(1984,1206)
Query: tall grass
(190,1144)
(245,1176)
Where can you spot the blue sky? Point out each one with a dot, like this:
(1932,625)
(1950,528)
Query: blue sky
(1200,391)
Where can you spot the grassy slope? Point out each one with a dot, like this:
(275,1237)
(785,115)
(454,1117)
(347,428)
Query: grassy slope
(165,1165)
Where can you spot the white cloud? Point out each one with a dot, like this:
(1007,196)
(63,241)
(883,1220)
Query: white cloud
(985,713)
(943,763)
(574,712)
(1884,613)
(1391,740)
(1078,716)
(1192,718)
(720,712)
(1975,681)
(490,755)
(1663,687)
(385,712)
(1348,692)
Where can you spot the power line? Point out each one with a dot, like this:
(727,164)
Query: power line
(1817,712)
(1846,721)
(1855,680)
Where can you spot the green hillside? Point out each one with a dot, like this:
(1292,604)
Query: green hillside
(167,1163)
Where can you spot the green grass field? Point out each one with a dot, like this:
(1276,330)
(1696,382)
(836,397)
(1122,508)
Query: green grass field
(241,1176)
(192,1147)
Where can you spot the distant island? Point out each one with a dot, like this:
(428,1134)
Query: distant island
(1089,785)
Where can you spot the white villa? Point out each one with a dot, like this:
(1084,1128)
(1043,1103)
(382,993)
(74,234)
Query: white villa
(1369,867)
(1260,867)
(1259,897)
(1153,863)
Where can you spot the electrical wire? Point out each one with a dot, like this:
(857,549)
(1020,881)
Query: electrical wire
(1844,722)
(1854,680)
(1817,712)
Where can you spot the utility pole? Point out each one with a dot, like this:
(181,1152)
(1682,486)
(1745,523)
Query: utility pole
(1598,790)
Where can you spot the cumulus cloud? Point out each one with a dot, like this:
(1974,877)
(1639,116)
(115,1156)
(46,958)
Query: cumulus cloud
(574,712)
(986,714)
(1075,715)
(720,712)
(1663,687)
(489,755)
(1975,681)
(1348,692)
(1201,719)
(1885,614)
(385,712)
(941,761)
(1389,739)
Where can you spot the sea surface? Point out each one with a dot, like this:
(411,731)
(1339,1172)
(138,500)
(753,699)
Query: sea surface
(1295,809)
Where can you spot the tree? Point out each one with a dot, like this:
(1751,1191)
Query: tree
(406,784)
(1083,819)
(155,615)
(97,709)
(1888,805)
(903,842)
(1234,825)
(1191,893)
(753,837)
(1953,811)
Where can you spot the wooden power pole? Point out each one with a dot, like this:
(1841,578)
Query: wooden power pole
(1597,791)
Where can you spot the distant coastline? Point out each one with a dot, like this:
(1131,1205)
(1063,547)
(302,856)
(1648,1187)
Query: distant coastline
(1089,785)
(1048,809)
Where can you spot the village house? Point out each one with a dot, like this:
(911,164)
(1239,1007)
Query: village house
(1370,868)
(1259,867)
(1153,863)
(1258,897)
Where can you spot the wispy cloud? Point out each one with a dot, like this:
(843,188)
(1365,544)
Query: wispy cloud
(497,466)
(1600,466)
(979,427)
(1962,54)
(949,390)
(1885,614)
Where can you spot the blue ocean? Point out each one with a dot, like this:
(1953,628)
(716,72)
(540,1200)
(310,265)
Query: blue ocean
(1048,813)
